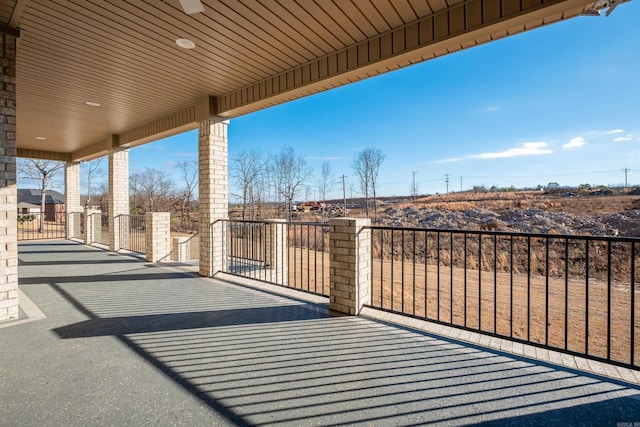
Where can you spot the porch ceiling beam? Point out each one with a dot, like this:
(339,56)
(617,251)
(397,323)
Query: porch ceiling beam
(16,15)
(43,155)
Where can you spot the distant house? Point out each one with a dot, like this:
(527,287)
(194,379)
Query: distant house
(29,203)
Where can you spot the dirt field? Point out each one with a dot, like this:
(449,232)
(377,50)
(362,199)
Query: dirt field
(577,203)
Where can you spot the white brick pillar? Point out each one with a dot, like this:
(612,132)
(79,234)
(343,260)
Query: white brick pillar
(275,241)
(181,249)
(118,198)
(72,204)
(8,194)
(213,193)
(158,236)
(350,264)
(92,225)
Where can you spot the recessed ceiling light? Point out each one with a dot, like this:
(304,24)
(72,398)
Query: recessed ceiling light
(93,104)
(41,138)
(185,43)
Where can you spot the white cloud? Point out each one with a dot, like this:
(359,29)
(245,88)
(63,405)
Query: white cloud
(526,149)
(492,108)
(576,142)
(455,159)
(623,138)
(611,132)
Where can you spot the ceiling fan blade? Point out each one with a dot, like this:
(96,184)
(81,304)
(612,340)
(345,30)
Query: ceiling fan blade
(611,9)
(191,6)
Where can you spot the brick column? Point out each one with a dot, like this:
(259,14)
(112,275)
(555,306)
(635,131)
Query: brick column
(275,240)
(158,236)
(213,193)
(118,198)
(350,264)
(72,199)
(92,225)
(8,194)
(181,249)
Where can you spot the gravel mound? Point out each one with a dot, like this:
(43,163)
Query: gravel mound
(517,220)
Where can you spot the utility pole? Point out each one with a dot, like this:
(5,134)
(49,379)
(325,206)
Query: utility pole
(461,184)
(413,186)
(626,171)
(446,179)
(344,197)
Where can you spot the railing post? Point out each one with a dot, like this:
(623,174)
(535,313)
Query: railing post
(275,238)
(157,235)
(350,264)
(92,225)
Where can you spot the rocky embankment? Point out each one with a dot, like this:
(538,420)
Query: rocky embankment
(625,223)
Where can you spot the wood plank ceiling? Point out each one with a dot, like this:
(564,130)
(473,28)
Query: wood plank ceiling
(249,54)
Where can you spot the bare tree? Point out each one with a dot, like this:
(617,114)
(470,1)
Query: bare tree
(41,171)
(189,171)
(151,190)
(246,170)
(326,183)
(93,170)
(366,165)
(288,173)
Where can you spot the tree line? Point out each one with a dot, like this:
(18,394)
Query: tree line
(282,177)
(262,179)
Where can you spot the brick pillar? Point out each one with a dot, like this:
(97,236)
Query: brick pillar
(350,264)
(72,199)
(8,194)
(92,225)
(213,193)
(158,236)
(275,240)
(118,198)
(181,249)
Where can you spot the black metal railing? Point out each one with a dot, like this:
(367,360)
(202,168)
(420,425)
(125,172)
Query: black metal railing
(308,257)
(295,255)
(34,226)
(132,232)
(576,294)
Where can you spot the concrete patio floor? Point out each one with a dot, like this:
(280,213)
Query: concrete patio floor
(106,339)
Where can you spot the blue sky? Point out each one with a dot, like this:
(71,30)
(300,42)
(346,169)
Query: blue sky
(556,104)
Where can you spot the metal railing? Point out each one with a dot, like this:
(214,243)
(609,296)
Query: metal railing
(575,294)
(132,232)
(34,226)
(294,255)
(308,257)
